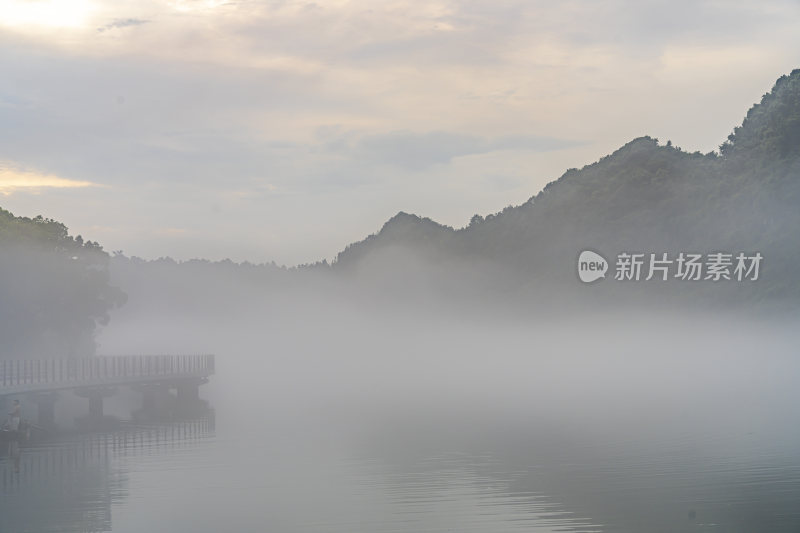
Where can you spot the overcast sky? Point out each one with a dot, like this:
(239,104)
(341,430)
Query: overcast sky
(285,130)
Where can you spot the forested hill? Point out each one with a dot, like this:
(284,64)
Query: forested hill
(54,289)
(646,197)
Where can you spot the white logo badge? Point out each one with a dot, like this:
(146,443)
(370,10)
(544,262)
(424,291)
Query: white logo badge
(591,266)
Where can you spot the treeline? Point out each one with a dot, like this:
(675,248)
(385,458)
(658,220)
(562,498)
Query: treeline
(54,289)
(646,197)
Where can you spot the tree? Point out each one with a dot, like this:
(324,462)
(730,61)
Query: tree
(54,289)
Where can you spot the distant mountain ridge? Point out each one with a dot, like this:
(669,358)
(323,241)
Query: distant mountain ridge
(646,197)
(643,197)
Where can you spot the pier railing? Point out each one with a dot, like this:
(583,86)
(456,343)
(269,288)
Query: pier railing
(58,373)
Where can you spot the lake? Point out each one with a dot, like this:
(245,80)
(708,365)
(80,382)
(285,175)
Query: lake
(441,434)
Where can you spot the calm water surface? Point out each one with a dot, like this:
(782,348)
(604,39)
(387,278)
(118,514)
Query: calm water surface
(713,458)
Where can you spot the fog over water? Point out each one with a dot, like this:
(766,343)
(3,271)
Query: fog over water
(519,267)
(349,404)
(333,420)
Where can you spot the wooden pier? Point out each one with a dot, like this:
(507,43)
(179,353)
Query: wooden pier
(96,378)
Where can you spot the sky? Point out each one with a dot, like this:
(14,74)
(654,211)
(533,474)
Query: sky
(283,131)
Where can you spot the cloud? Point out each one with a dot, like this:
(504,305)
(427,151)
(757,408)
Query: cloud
(122,23)
(316,121)
(14,179)
(419,151)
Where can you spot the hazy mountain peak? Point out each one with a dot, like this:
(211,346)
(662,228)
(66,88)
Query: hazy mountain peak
(646,195)
(403,221)
(771,127)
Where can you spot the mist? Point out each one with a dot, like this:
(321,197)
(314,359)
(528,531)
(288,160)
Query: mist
(616,417)
(429,377)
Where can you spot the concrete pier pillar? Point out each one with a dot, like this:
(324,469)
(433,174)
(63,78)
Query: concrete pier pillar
(188,391)
(46,409)
(96,406)
(156,399)
(95,396)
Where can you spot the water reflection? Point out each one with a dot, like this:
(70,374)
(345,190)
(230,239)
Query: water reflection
(688,478)
(70,483)
(488,476)
(464,492)
(567,441)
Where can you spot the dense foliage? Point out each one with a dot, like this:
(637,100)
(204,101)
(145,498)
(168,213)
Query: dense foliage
(54,289)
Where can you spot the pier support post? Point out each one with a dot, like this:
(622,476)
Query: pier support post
(96,406)
(46,409)
(189,393)
(96,396)
(156,399)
